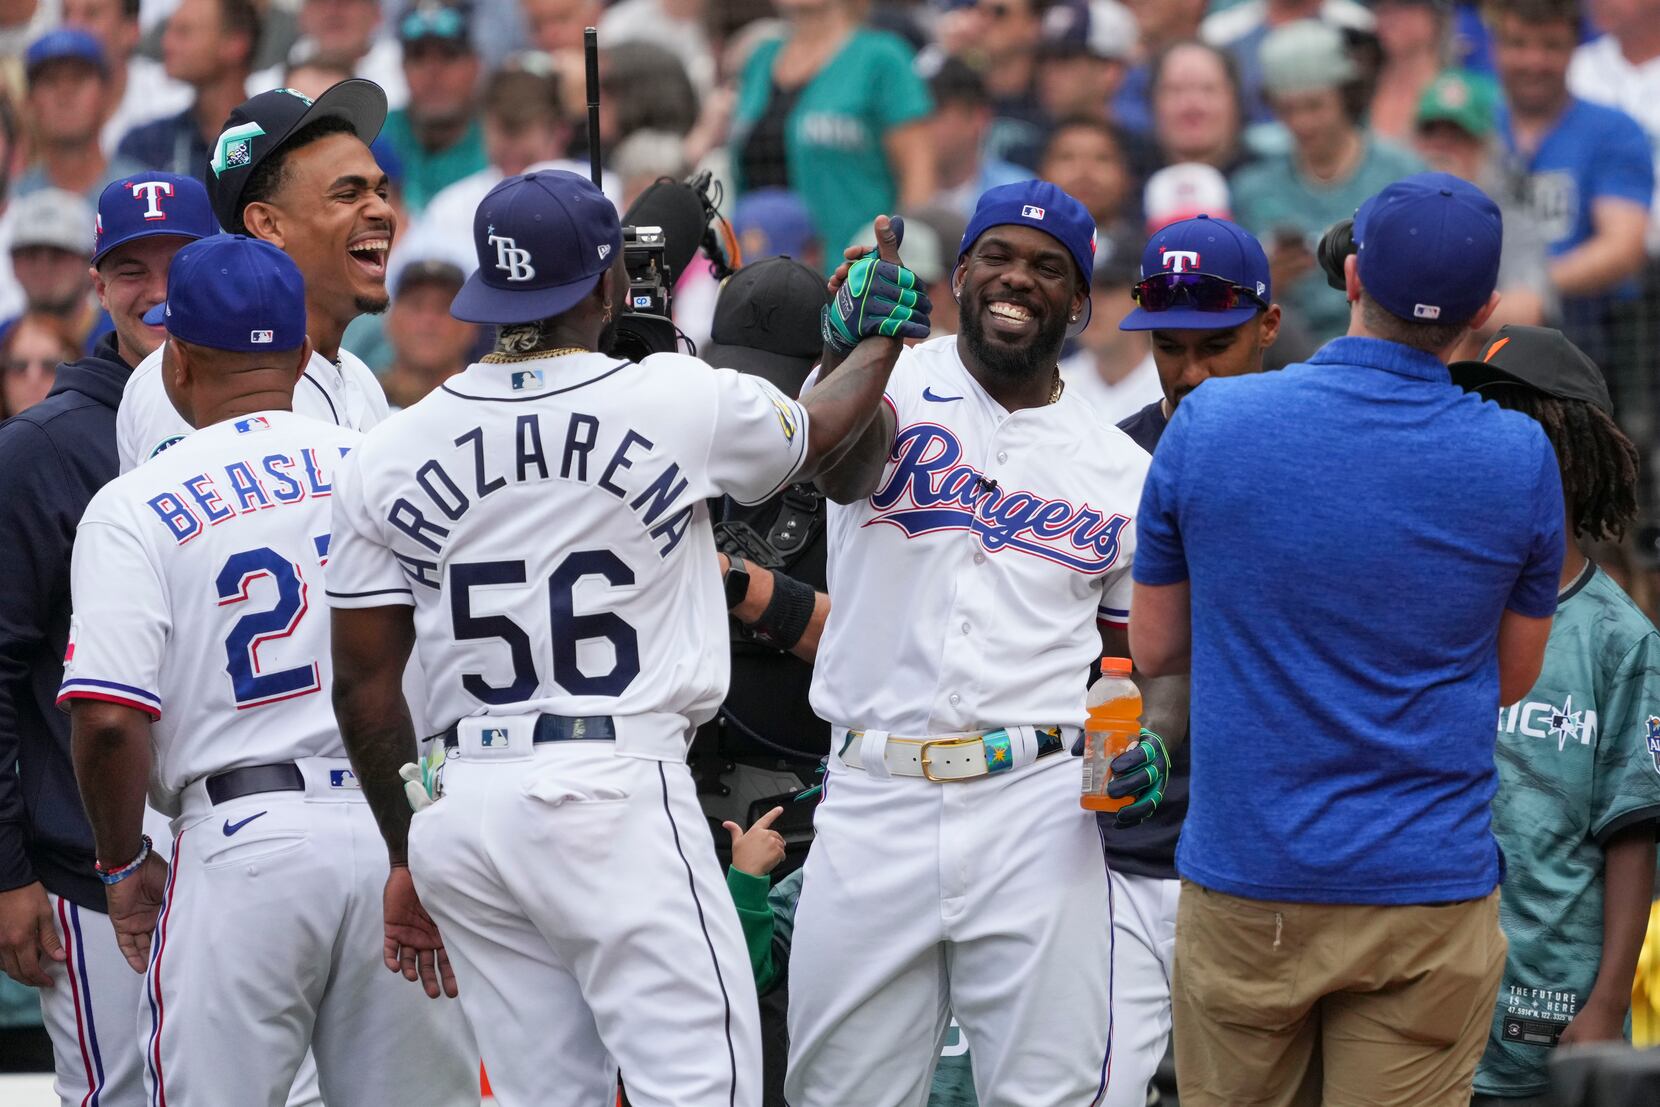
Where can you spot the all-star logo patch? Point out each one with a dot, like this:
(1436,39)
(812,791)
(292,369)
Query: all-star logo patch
(235,149)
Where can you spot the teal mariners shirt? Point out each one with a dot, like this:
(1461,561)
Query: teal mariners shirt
(1579,760)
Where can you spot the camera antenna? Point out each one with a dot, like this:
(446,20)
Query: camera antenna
(590,57)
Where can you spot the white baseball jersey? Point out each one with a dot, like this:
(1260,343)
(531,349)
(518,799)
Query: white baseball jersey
(197,583)
(547,520)
(966,590)
(146,422)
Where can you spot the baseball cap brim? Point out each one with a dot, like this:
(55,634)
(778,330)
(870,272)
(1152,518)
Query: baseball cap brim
(156,316)
(779,370)
(172,232)
(1187,319)
(477,302)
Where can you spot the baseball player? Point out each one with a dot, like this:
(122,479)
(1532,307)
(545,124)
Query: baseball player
(983,531)
(197,663)
(537,530)
(297,173)
(54,930)
(1217,319)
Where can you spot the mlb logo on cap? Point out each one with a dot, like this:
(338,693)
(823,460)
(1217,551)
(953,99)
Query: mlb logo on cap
(1031,211)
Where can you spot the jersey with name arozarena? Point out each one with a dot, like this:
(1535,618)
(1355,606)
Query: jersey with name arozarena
(146,423)
(547,520)
(966,590)
(196,582)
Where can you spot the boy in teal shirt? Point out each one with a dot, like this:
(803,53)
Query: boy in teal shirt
(768,918)
(1578,801)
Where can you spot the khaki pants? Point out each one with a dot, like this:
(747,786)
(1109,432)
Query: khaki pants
(1299,1005)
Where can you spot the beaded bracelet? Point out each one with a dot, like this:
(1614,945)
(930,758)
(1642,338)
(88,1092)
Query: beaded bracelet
(116,876)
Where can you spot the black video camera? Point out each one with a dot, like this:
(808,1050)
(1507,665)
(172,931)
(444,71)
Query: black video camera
(661,235)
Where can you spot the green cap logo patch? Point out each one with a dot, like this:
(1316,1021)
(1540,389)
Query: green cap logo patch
(236,148)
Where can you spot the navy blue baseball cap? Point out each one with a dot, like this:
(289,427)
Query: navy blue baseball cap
(1211,247)
(1428,248)
(231,292)
(1036,204)
(148,206)
(543,240)
(64,43)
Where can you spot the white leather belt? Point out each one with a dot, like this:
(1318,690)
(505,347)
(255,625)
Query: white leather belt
(949,757)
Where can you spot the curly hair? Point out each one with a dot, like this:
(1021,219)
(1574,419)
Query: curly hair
(1599,463)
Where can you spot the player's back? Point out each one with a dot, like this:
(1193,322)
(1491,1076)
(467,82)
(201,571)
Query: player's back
(548,520)
(223,539)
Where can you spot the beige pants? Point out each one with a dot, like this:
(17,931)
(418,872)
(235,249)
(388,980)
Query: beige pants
(1294,1004)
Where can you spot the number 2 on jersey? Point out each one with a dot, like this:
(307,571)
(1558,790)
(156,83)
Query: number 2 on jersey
(568,628)
(249,686)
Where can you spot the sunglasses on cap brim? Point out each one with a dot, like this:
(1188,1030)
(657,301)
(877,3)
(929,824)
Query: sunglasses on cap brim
(1200,291)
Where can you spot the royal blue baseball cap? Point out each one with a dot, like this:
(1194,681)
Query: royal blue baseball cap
(231,292)
(1036,204)
(148,206)
(1428,248)
(543,239)
(1216,248)
(64,43)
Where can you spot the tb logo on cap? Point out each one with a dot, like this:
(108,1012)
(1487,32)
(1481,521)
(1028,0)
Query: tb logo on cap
(151,193)
(512,260)
(1180,261)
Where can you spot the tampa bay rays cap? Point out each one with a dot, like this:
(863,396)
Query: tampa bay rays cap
(1211,247)
(1538,359)
(231,292)
(1428,248)
(542,239)
(148,206)
(260,125)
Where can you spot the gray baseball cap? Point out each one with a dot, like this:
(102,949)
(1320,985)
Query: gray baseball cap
(1305,56)
(53,217)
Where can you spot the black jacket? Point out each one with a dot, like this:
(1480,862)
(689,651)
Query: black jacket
(53,457)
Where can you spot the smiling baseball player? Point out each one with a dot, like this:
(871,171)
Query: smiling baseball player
(983,530)
(538,530)
(296,173)
(197,662)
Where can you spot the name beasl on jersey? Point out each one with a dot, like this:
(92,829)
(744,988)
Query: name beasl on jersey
(293,479)
(445,499)
(952,496)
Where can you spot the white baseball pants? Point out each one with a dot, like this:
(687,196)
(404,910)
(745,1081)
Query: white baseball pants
(985,898)
(585,915)
(1143,952)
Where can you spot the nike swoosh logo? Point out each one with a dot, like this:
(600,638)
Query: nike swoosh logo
(928,394)
(232,828)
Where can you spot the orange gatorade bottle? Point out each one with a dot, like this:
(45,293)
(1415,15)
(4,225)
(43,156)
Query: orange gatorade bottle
(1114,723)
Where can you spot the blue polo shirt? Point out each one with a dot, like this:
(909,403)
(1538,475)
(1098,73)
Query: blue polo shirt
(1352,529)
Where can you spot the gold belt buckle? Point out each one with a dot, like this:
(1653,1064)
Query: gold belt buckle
(975,739)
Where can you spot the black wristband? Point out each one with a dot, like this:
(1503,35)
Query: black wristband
(787,615)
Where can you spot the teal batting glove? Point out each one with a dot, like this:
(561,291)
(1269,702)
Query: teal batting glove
(1141,771)
(878,298)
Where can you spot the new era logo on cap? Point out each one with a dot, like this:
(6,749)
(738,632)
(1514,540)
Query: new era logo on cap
(1031,211)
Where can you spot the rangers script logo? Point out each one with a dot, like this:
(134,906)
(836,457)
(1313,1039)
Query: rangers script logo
(929,490)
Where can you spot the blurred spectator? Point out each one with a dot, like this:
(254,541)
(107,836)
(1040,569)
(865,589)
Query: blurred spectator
(1621,69)
(1006,46)
(1242,29)
(1455,134)
(31,352)
(436,134)
(642,87)
(429,344)
(1085,159)
(23,21)
(344,30)
(1197,112)
(315,75)
(1184,191)
(962,116)
(1288,201)
(773,222)
(209,45)
(68,86)
(643,157)
(1113,370)
(1415,37)
(1087,50)
(12,152)
(51,254)
(932,235)
(139,89)
(1163,23)
(556,25)
(837,113)
(1590,178)
(676,25)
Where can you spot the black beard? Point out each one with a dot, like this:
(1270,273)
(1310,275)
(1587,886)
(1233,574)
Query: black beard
(367,305)
(1009,362)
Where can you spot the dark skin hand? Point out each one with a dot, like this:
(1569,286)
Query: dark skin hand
(1628,890)
(27,935)
(370,647)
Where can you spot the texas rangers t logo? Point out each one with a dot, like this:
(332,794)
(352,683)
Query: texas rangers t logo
(1180,261)
(512,260)
(152,192)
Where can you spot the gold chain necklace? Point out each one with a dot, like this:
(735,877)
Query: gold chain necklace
(536,355)
(1059,386)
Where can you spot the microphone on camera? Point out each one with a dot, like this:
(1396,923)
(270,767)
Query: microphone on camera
(677,208)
